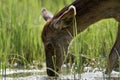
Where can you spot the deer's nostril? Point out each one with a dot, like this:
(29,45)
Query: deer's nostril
(57,70)
(52,73)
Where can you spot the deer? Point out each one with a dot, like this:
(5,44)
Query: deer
(58,30)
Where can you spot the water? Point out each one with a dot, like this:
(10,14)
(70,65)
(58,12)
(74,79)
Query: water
(95,74)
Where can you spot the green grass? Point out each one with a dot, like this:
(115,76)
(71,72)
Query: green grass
(21,25)
(94,44)
(20,31)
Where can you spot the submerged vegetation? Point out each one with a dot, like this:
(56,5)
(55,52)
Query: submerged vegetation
(21,25)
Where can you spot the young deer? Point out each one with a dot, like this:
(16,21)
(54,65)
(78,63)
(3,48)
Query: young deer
(58,30)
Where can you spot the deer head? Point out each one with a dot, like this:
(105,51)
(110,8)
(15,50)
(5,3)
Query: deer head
(56,38)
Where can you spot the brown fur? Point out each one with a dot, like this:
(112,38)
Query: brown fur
(56,40)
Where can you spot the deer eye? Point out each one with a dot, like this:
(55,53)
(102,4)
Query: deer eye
(49,46)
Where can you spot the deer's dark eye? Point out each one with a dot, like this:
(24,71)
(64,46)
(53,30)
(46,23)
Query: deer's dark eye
(49,46)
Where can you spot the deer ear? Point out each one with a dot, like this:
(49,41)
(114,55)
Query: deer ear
(46,14)
(66,19)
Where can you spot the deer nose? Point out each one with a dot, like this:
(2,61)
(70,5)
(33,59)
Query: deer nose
(52,73)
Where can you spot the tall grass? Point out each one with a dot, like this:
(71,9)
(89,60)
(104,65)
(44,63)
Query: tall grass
(94,44)
(20,31)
